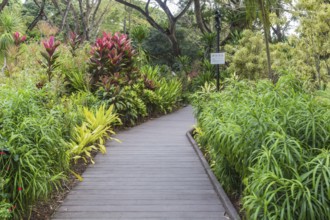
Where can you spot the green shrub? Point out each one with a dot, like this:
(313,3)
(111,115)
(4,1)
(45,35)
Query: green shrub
(269,143)
(36,155)
(166,93)
(5,210)
(112,58)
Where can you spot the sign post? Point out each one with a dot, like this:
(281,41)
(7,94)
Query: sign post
(218,58)
(217,55)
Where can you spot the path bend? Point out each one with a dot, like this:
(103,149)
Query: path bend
(153,174)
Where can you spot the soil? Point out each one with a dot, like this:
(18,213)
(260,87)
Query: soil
(43,210)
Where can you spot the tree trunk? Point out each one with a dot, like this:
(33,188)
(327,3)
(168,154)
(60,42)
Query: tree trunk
(65,15)
(83,21)
(318,69)
(270,73)
(278,29)
(199,18)
(39,16)
(266,34)
(170,31)
(76,17)
(3,4)
(175,44)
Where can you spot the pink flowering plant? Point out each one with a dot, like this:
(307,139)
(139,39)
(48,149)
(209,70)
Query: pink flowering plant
(18,39)
(50,56)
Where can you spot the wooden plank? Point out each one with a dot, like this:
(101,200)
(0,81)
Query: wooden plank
(139,215)
(145,183)
(144,208)
(86,202)
(110,218)
(152,187)
(174,196)
(141,179)
(146,175)
(160,192)
(143,173)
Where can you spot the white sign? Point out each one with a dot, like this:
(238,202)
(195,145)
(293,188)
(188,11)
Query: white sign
(217,58)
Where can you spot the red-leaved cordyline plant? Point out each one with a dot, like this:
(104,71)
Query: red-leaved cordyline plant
(111,55)
(50,56)
(74,42)
(18,39)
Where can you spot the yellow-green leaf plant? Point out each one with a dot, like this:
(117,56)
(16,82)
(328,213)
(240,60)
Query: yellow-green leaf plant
(90,135)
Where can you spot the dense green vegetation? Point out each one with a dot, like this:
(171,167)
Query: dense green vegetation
(269,144)
(71,71)
(61,104)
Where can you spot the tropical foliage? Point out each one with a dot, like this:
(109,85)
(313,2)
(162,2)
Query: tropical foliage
(270,144)
(51,121)
(115,63)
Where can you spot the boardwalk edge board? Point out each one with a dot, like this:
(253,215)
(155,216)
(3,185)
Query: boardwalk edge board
(230,210)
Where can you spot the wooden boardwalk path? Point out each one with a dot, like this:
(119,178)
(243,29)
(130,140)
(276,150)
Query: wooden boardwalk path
(153,174)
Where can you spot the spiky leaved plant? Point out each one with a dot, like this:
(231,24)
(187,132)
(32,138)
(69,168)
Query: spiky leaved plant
(273,141)
(18,41)
(50,56)
(74,42)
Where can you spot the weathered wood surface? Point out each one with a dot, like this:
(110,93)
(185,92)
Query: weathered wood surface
(153,174)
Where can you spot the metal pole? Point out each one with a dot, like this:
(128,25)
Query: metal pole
(217,20)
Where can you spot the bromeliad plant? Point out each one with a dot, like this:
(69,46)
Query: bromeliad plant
(50,56)
(91,134)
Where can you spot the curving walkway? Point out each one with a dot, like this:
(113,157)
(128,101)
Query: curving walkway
(153,174)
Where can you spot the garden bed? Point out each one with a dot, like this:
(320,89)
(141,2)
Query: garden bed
(269,144)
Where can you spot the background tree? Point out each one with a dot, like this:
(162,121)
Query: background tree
(170,30)
(3,4)
(91,16)
(261,9)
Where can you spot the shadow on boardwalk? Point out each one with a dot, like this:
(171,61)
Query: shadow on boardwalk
(153,174)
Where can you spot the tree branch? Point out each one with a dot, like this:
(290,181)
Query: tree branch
(65,15)
(166,10)
(75,15)
(96,9)
(199,18)
(147,7)
(39,16)
(3,4)
(83,20)
(183,11)
(151,21)
(102,15)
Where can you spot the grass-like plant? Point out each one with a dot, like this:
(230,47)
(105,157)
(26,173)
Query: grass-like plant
(36,157)
(270,144)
